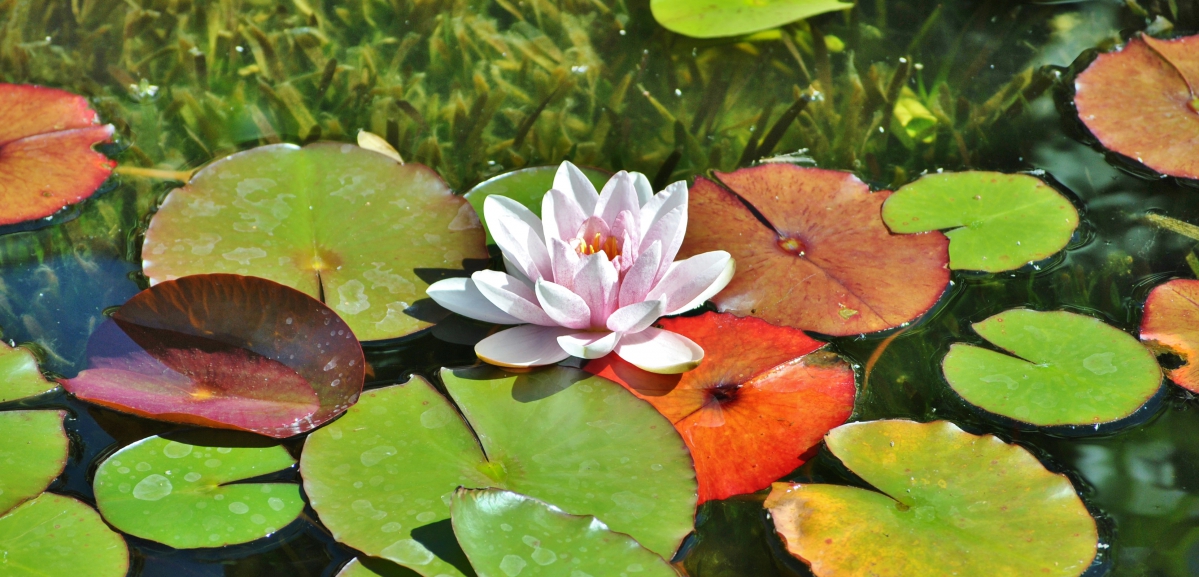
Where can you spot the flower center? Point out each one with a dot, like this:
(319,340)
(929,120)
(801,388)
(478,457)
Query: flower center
(609,246)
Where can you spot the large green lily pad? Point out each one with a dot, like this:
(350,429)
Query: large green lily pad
(374,568)
(182,494)
(505,533)
(381,477)
(526,186)
(999,221)
(19,375)
(355,226)
(949,504)
(32,454)
(1064,369)
(56,536)
(716,18)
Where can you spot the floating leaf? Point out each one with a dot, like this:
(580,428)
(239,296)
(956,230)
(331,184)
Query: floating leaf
(505,533)
(224,351)
(1171,322)
(374,568)
(526,186)
(381,477)
(184,495)
(748,413)
(46,156)
(19,375)
(716,18)
(999,221)
(56,536)
(1063,369)
(825,262)
(1140,101)
(364,231)
(33,453)
(949,503)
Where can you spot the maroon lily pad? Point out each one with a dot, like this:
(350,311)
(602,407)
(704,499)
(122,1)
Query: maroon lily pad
(46,156)
(1141,102)
(224,351)
(816,255)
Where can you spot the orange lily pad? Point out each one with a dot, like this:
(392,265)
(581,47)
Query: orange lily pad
(1171,322)
(763,396)
(816,255)
(46,156)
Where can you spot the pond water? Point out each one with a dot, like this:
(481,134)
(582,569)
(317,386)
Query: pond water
(452,83)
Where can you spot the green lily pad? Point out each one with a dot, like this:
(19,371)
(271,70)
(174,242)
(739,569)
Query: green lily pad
(355,226)
(505,533)
(33,453)
(526,186)
(998,221)
(717,18)
(180,494)
(381,477)
(56,536)
(19,375)
(374,568)
(1064,369)
(949,503)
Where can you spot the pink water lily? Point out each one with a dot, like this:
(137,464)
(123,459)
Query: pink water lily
(590,277)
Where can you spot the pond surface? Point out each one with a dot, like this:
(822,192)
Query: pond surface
(475,88)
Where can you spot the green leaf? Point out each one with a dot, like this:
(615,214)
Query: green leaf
(950,503)
(33,453)
(1064,369)
(56,536)
(357,567)
(179,494)
(526,186)
(505,533)
(716,18)
(328,219)
(998,222)
(19,375)
(381,477)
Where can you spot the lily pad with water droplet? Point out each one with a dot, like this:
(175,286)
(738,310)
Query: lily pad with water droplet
(998,222)
(505,533)
(1171,323)
(32,454)
(19,375)
(1063,369)
(382,476)
(947,503)
(526,186)
(717,18)
(333,220)
(186,495)
(57,536)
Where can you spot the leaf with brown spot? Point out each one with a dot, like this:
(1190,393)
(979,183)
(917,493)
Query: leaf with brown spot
(1171,322)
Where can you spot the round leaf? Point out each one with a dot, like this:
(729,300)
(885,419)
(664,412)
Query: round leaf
(505,533)
(33,453)
(526,186)
(182,495)
(19,375)
(1064,369)
(748,413)
(999,221)
(56,536)
(382,476)
(336,220)
(716,18)
(825,262)
(1171,322)
(949,503)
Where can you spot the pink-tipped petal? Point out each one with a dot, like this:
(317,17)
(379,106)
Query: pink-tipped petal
(589,345)
(669,230)
(565,261)
(641,276)
(460,295)
(636,317)
(691,282)
(518,233)
(618,196)
(572,181)
(523,346)
(659,351)
(565,307)
(596,282)
(561,215)
(628,233)
(512,296)
(672,197)
(645,190)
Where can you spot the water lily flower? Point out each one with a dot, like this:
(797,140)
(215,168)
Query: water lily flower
(590,277)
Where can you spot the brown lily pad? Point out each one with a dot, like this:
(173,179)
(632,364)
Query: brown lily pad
(1171,324)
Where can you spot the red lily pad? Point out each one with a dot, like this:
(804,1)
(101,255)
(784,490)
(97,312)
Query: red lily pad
(46,156)
(1171,324)
(820,258)
(224,351)
(748,413)
(1140,101)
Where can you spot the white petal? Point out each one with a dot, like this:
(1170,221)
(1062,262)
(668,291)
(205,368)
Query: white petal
(566,308)
(636,317)
(512,296)
(645,190)
(589,345)
(597,282)
(669,229)
(641,276)
(460,295)
(619,196)
(572,181)
(672,197)
(518,232)
(659,351)
(523,346)
(565,262)
(561,215)
(691,282)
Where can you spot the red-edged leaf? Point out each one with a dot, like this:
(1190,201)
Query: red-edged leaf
(224,351)
(46,156)
(1137,102)
(826,262)
(1171,322)
(763,396)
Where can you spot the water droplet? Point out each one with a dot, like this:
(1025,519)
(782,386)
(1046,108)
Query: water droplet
(543,556)
(374,455)
(275,503)
(214,463)
(512,565)
(152,488)
(239,508)
(176,450)
(408,552)
(192,477)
